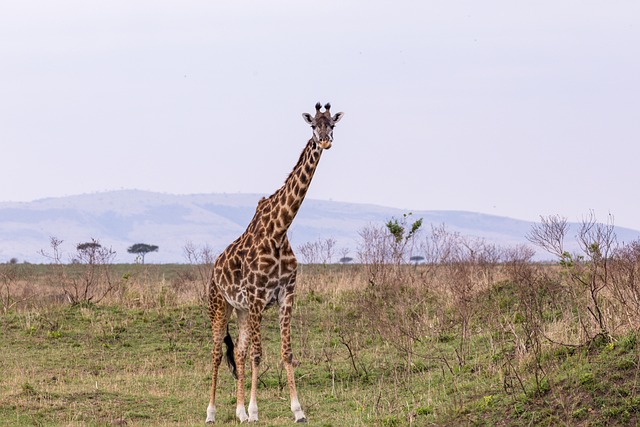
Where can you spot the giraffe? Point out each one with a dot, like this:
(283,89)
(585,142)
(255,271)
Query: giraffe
(258,270)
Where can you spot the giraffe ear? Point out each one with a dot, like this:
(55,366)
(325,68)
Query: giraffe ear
(307,118)
(337,117)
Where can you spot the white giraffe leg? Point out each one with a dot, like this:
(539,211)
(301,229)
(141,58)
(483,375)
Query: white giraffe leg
(253,411)
(241,413)
(253,401)
(240,355)
(211,414)
(298,415)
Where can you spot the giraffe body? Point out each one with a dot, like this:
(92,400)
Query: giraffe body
(258,270)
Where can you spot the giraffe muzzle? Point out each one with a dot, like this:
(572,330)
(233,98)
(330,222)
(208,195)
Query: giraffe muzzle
(325,144)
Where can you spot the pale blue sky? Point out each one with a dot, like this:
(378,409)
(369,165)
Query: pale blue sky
(510,108)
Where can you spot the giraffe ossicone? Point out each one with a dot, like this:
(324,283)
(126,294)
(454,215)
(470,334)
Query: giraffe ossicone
(258,270)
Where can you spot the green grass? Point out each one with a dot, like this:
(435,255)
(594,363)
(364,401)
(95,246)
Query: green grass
(117,364)
(96,365)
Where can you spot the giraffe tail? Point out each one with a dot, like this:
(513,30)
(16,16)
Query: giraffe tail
(231,361)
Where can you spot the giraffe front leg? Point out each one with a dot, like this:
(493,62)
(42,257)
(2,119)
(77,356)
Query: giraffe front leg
(255,319)
(287,357)
(253,403)
(240,355)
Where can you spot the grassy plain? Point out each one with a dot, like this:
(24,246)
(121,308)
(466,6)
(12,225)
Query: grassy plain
(389,354)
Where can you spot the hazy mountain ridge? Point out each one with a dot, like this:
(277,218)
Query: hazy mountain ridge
(121,218)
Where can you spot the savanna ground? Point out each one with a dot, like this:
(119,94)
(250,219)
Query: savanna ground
(475,336)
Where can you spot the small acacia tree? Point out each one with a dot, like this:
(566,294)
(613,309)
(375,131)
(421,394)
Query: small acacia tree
(416,259)
(141,249)
(403,233)
(383,249)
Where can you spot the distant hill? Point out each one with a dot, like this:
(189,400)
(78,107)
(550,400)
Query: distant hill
(121,218)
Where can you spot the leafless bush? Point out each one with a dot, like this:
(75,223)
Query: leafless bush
(526,327)
(400,314)
(550,234)
(588,272)
(375,253)
(456,268)
(438,244)
(384,250)
(625,281)
(319,252)
(202,259)
(467,266)
(88,278)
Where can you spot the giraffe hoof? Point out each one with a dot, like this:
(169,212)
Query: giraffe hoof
(301,420)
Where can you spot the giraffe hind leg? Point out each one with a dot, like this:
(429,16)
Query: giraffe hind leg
(240,353)
(287,357)
(255,318)
(219,313)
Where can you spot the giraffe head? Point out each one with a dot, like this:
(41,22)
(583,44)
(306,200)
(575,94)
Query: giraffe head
(322,124)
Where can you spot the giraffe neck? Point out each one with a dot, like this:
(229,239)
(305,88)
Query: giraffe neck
(287,200)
